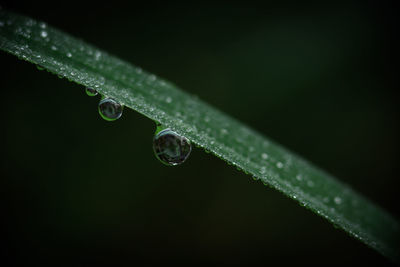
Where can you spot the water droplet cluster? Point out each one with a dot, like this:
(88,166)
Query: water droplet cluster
(169,147)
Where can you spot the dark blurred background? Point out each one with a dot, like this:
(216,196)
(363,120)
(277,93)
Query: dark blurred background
(319,78)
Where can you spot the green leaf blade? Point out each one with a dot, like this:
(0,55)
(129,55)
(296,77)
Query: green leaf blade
(204,125)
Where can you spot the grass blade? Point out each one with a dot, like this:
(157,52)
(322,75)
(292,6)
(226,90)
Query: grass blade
(204,125)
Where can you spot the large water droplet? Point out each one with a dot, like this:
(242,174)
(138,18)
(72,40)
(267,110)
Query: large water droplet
(109,109)
(170,148)
(91,92)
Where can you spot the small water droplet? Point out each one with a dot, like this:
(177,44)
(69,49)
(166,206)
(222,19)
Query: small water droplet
(264,155)
(97,55)
(53,47)
(224,131)
(263,170)
(39,67)
(91,92)
(69,54)
(109,109)
(279,165)
(298,177)
(169,147)
(337,200)
(168,99)
(43,34)
(152,77)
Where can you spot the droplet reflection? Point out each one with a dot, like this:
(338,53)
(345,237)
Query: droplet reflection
(109,109)
(171,148)
(91,92)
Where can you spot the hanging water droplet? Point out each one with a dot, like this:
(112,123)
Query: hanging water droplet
(169,147)
(109,109)
(91,92)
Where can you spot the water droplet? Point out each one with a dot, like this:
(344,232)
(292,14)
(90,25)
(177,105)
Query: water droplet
(69,54)
(264,156)
(170,148)
(91,92)
(224,131)
(168,99)
(53,47)
(39,67)
(43,34)
(298,177)
(97,55)
(279,165)
(152,77)
(263,170)
(337,200)
(109,109)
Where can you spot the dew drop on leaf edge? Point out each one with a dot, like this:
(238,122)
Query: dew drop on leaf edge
(91,92)
(109,109)
(170,148)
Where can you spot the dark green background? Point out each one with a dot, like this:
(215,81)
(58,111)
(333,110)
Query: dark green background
(317,78)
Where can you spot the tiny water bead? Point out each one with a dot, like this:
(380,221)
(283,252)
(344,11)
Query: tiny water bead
(109,109)
(171,148)
(91,92)
(43,34)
